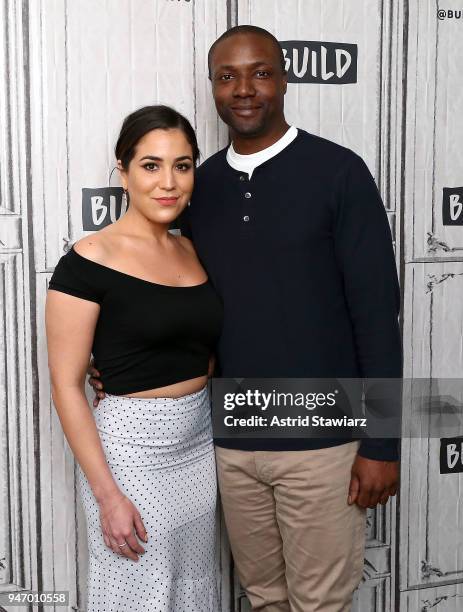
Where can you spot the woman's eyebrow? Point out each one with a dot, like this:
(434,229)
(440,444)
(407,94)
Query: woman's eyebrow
(155,158)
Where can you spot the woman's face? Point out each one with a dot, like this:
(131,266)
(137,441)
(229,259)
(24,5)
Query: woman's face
(160,175)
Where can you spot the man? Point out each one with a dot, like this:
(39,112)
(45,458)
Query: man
(294,236)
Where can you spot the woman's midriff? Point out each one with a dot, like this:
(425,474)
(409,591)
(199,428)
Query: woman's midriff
(185,387)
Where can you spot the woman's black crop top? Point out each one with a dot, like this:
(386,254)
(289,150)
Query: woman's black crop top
(147,335)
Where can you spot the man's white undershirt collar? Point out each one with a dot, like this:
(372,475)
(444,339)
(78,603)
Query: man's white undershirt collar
(248,163)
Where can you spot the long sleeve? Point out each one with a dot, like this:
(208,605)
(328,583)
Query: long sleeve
(366,258)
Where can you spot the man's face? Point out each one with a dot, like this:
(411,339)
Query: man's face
(248,84)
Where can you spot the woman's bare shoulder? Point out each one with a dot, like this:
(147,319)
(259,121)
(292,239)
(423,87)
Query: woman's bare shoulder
(94,246)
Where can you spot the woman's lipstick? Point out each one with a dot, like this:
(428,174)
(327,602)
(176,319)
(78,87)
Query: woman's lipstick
(167,201)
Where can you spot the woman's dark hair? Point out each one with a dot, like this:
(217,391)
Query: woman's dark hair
(148,118)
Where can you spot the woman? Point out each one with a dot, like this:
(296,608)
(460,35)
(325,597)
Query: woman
(137,297)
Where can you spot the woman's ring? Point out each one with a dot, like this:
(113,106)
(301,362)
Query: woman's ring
(121,545)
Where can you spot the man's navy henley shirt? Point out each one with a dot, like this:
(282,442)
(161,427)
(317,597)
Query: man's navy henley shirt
(302,258)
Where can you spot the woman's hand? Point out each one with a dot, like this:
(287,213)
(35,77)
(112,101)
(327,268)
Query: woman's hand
(120,521)
(95,382)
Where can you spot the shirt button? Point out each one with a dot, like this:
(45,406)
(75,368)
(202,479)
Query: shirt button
(247,195)
(242,177)
(246,218)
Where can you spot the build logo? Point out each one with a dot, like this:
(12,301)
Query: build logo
(452,206)
(320,62)
(451,455)
(101,207)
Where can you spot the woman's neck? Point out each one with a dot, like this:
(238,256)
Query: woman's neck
(136,225)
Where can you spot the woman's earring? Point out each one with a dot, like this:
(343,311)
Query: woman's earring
(125,201)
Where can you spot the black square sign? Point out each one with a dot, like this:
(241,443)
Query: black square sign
(101,206)
(451,455)
(452,206)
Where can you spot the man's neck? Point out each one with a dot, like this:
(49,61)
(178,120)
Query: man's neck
(248,145)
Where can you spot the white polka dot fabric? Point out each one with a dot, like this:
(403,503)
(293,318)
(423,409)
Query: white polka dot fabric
(161,454)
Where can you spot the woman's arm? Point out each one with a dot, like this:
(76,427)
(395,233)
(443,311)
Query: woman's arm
(70,325)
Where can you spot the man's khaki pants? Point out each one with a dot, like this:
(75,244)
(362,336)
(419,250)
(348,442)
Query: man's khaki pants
(297,545)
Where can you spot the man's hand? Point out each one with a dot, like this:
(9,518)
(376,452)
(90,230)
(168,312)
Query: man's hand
(95,382)
(372,482)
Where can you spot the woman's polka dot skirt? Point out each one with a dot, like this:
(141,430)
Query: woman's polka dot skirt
(161,454)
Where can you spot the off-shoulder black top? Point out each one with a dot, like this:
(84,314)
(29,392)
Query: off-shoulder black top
(147,335)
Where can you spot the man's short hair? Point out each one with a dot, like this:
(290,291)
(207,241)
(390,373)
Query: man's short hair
(246,29)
